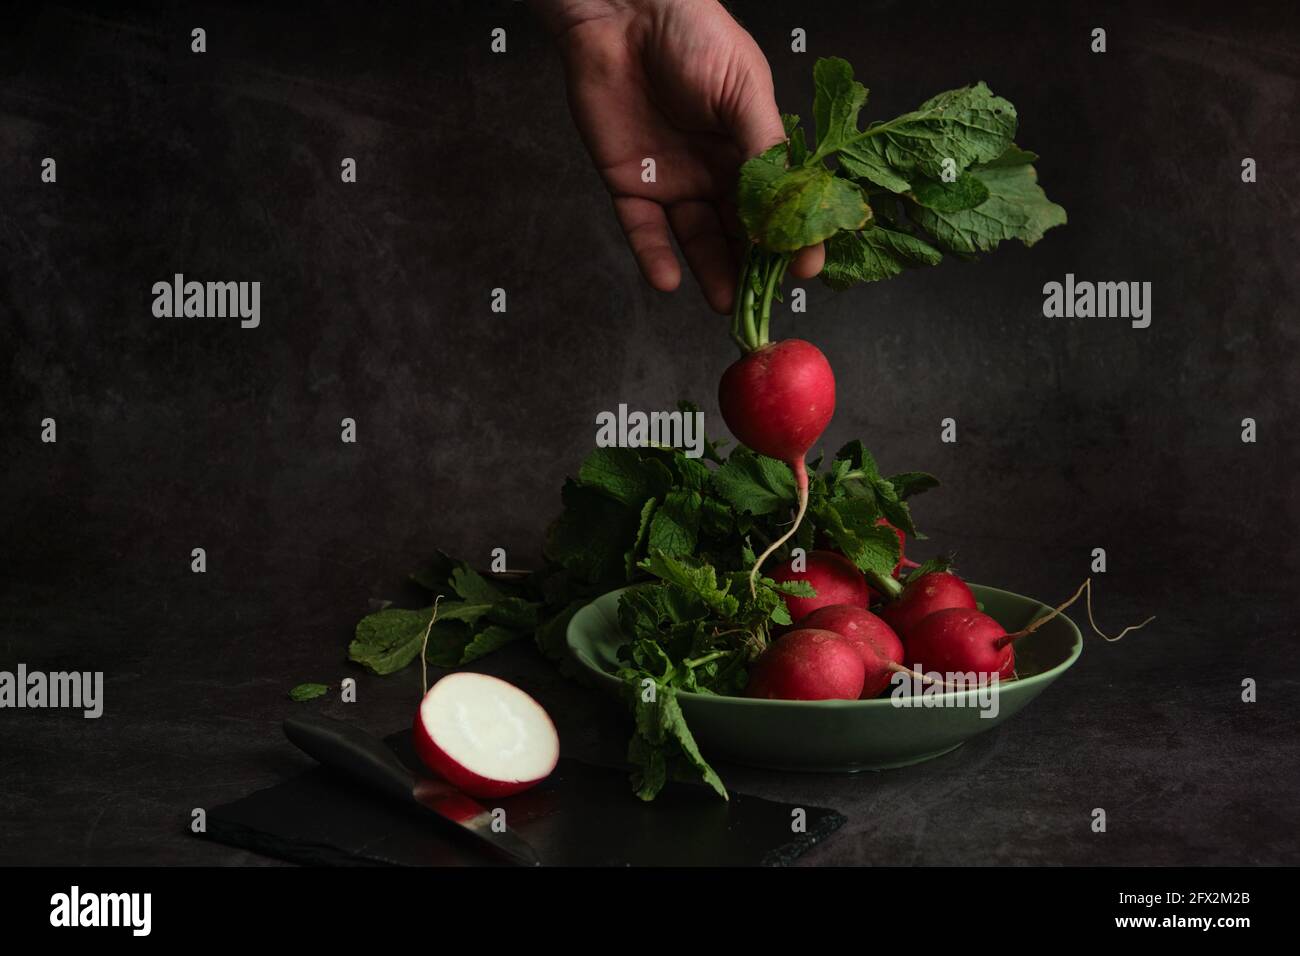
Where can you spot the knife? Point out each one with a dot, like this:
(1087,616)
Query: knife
(347,748)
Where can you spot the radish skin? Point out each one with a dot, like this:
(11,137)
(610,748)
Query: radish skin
(778,399)
(808,664)
(961,640)
(834,577)
(875,641)
(932,592)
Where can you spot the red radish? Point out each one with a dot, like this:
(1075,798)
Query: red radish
(834,577)
(484,736)
(808,664)
(778,399)
(874,639)
(921,598)
(960,640)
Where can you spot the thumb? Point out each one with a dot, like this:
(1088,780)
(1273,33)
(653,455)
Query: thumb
(754,120)
(756,125)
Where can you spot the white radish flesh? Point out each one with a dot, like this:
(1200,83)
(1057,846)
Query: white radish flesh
(485,736)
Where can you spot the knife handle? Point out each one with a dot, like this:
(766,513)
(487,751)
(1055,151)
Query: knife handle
(343,746)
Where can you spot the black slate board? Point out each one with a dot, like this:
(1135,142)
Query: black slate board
(582,815)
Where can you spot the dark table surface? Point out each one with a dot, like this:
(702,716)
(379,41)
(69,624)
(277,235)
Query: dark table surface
(1151,729)
(1073,434)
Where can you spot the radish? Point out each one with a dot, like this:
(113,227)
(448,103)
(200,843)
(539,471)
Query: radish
(960,640)
(778,399)
(808,664)
(875,641)
(921,598)
(834,577)
(485,736)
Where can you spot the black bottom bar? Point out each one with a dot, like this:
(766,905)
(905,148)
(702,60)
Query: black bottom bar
(310,907)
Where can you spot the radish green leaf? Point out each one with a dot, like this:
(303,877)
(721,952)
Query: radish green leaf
(785,210)
(873,254)
(1017,208)
(304,692)
(837,100)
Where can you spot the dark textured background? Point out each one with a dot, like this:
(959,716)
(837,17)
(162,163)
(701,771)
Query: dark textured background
(1073,434)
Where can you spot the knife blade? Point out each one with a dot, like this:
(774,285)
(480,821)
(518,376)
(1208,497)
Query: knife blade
(344,747)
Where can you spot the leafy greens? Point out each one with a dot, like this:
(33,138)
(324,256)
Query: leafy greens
(945,178)
(682,534)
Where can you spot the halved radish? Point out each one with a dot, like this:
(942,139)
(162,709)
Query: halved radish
(485,736)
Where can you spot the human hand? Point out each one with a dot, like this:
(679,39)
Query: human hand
(679,82)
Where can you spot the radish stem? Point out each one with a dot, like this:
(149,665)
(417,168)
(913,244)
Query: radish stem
(698,661)
(424,646)
(737,312)
(751,330)
(1086,586)
(775,275)
(801,482)
(751,316)
(888,585)
(924,678)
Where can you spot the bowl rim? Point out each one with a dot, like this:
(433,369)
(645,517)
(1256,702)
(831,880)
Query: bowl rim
(1043,677)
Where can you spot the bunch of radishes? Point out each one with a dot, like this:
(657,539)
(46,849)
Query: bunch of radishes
(778,399)
(839,648)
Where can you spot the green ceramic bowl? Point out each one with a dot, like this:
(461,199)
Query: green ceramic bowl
(846,735)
